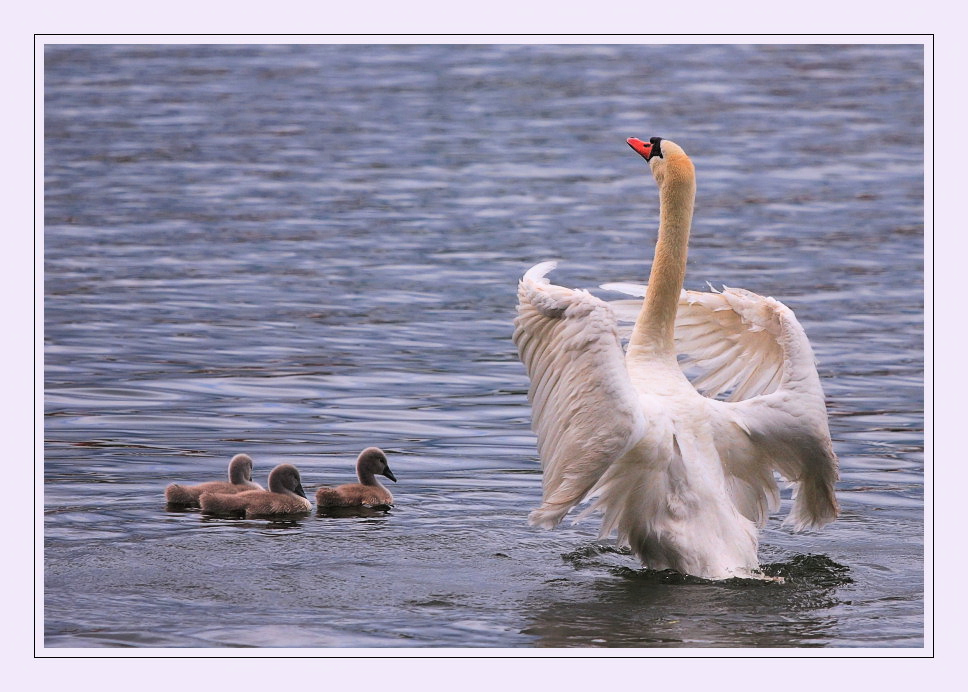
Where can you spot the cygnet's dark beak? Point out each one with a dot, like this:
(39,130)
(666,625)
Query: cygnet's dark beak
(299,490)
(389,474)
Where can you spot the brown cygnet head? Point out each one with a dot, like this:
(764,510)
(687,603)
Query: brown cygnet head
(285,479)
(373,462)
(240,469)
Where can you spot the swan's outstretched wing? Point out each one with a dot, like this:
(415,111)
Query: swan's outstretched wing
(754,350)
(729,341)
(583,406)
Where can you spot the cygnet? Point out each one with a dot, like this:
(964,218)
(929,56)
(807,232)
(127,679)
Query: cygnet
(369,491)
(240,479)
(285,496)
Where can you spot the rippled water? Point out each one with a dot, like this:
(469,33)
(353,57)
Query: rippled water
(299,251)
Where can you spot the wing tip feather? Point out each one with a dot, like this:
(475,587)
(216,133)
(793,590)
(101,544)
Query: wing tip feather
(546,517)
(539,271)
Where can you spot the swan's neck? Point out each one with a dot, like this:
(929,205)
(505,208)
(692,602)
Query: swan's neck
(654,331)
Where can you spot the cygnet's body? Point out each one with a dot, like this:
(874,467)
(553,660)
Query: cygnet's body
(240,480)
(285,496)
(369,491)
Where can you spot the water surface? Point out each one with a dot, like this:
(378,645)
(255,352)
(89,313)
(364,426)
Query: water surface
(299,251)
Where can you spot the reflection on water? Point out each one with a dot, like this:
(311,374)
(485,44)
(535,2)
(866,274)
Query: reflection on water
(648,608)
(298,252)
(361,512)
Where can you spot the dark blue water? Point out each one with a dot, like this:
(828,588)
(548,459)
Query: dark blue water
(299,251)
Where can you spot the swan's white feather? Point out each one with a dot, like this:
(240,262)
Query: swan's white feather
(639,455)
(753,346)
(584,408)
(635,290)
(730,337)
(681,476)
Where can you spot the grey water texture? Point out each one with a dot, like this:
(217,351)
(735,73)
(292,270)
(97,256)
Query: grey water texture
(298,251)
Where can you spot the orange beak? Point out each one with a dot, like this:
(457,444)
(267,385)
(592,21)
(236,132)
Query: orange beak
(643,149)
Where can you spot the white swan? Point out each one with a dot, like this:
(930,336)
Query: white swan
(685,479)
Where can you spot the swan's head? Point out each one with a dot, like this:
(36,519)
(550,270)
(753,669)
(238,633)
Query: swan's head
(285,478)
(664,156)
(373,460)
